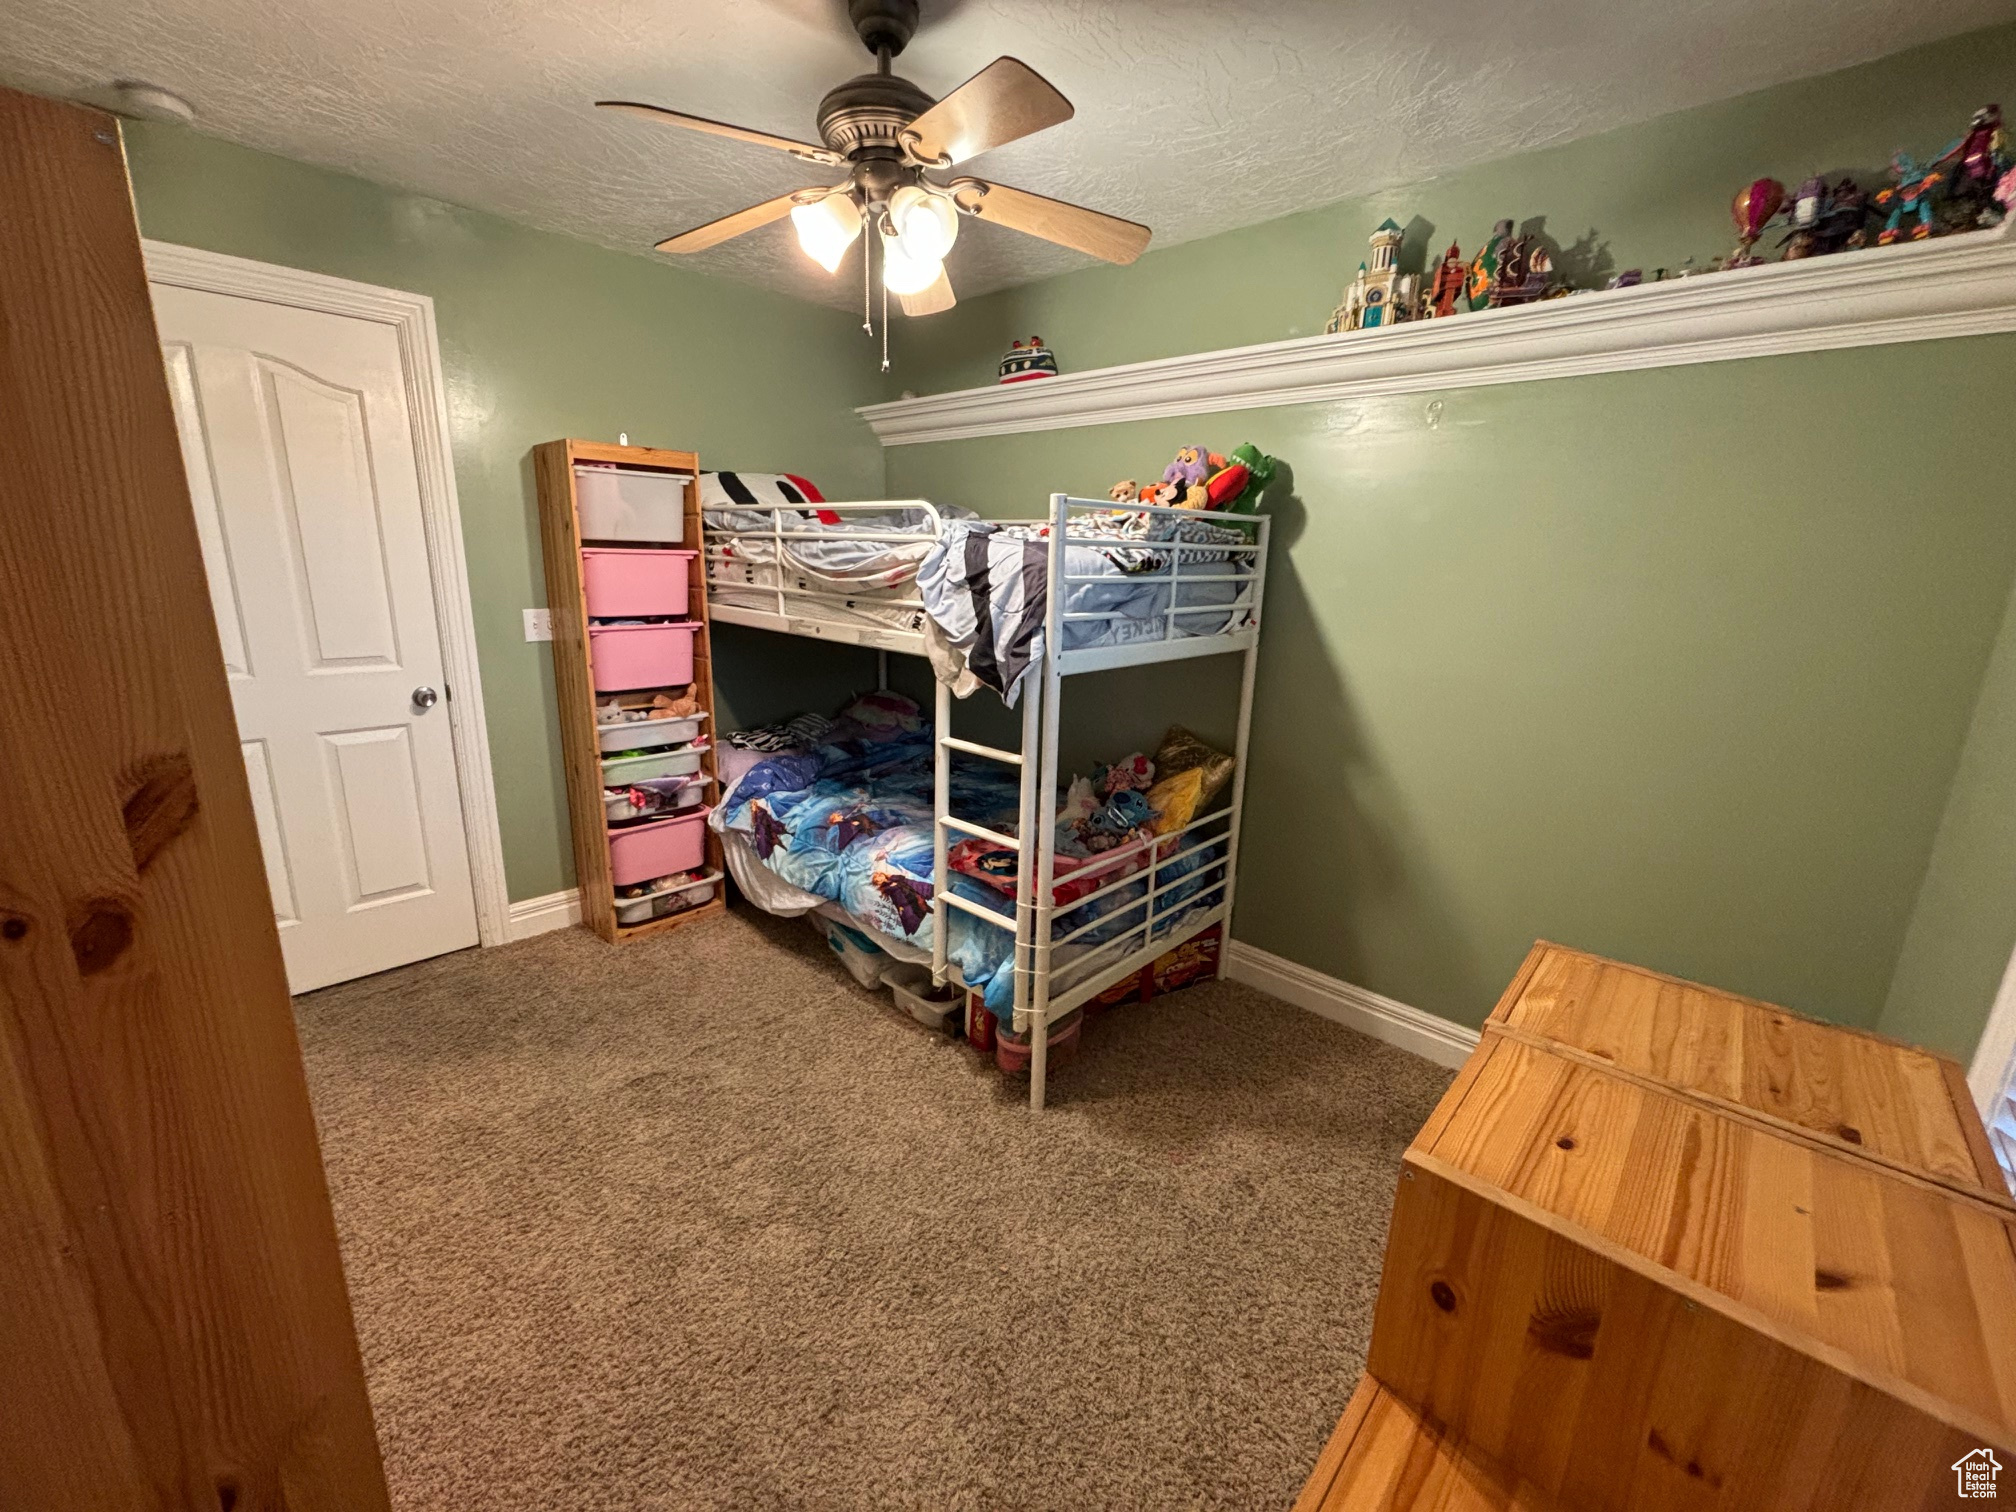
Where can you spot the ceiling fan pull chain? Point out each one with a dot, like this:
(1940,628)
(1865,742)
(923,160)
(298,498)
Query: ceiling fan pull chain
(885,325)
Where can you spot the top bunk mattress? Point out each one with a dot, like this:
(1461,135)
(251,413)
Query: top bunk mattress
(776,547)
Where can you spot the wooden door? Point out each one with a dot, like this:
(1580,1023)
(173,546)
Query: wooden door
(299,445)
(174,1330)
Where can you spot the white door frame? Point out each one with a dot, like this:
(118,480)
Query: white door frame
(411,318)
(1991,1071)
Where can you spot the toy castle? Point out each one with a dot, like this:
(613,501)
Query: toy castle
(1381,294)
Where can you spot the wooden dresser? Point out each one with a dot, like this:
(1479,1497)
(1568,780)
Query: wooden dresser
(1663,1247)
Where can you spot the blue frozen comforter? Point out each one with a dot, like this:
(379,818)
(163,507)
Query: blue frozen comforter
(851,822)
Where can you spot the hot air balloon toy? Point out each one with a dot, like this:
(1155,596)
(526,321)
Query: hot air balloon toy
(1752,211)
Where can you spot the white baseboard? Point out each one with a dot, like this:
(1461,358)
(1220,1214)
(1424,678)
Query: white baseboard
(535,916)
(1423,1034)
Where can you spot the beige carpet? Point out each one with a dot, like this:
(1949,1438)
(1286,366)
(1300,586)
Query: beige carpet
(697,1223)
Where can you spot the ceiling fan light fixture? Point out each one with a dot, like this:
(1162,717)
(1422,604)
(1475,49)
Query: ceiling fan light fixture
(827,228)
(927,223)
(903,272)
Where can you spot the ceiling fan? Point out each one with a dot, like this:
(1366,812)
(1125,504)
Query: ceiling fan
(893,138)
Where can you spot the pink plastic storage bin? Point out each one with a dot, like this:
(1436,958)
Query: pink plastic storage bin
(644,851)
(641,656)
(631,582)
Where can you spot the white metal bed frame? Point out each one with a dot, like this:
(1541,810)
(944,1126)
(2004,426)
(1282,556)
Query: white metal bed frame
(1161,928)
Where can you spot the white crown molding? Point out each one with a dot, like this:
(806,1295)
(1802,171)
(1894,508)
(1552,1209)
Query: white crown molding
(1918,291)
(411,317)
(1423,1034)
(537,916)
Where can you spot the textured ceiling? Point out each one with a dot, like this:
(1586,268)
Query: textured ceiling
(1194,116)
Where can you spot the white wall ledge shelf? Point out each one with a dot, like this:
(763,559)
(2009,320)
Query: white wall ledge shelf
(1920,291)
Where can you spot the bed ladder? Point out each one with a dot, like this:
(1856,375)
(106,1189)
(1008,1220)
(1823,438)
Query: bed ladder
(1031,1009)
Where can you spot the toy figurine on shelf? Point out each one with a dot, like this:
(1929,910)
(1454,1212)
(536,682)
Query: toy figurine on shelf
(1907,197)
(1484,269)
(1802,214)
(1525,271)
(1536,280)
(1381,294)
(1978,161)
(1026,362)
(1440,301)
(1754,207)
(1823,218)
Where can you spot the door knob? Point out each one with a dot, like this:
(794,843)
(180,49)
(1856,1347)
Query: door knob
(425,698)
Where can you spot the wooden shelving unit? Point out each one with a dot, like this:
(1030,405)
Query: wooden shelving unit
(574,685)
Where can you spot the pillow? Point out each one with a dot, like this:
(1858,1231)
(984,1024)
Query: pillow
(723,490)
(1183,752)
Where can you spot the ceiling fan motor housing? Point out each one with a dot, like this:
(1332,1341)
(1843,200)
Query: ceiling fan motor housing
(868,111)
(883,24)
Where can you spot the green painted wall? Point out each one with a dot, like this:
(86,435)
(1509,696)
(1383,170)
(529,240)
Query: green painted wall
(1964,925)
(543,336)
(1650,195)
(1673,665)
(1679,666)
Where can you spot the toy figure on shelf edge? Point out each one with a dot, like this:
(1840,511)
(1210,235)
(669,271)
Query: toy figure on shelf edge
(1825,219)
(1381,294)
(1440,301)
(1979,161)
(1907,197)
(1525,273)
(1754,208)
(1023,363)
(1484,268)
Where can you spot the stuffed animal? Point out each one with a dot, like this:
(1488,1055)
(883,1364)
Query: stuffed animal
(1126,491)
(1192,465)
(1236,486)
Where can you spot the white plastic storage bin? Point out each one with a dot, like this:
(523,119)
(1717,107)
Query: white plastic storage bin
(648,734)
(630,504)
(621,771)
(910,985)
(618,809)
(668,900)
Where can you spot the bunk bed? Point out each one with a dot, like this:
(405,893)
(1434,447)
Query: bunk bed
(1141,584)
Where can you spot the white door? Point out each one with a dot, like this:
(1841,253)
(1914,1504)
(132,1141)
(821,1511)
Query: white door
(298,439)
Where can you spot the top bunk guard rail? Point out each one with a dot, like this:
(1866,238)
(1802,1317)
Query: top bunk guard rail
(829,611)
(1189,562)
(776,531)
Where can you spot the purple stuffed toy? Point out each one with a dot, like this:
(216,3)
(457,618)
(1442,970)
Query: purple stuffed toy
(1192,466)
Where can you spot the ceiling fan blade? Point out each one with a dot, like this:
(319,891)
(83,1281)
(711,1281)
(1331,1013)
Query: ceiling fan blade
(1104,236)
(937,297)
(804,150)
(700,238)
(1004,101)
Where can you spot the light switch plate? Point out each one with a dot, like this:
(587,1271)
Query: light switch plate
(538,624)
